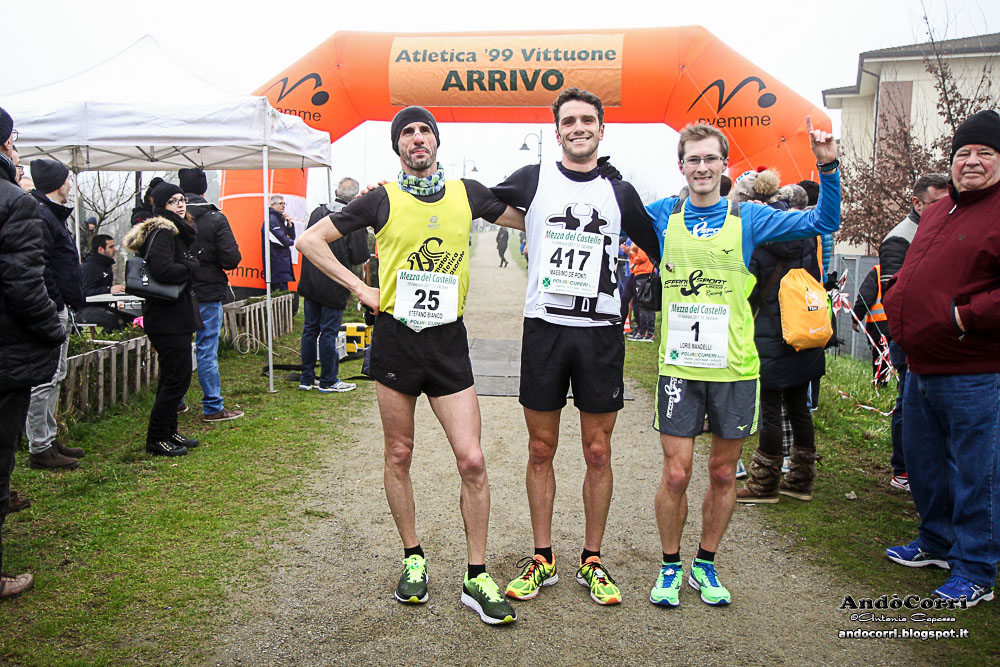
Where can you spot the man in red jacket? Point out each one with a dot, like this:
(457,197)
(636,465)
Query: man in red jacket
(944,312)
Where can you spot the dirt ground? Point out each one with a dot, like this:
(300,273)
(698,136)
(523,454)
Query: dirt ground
(329,596)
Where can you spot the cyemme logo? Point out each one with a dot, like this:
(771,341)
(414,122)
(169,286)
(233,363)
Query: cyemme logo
(764,101)
(318,99)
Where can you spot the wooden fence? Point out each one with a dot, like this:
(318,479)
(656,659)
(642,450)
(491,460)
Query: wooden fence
(97,380)
(243,320)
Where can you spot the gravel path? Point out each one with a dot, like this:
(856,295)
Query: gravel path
(329,596)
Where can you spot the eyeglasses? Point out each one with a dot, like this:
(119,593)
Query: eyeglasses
(174,201)
(13,136)
(20,168)
(709,160)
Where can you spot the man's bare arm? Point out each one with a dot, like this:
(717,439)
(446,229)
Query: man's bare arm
(315,245)
(512,218)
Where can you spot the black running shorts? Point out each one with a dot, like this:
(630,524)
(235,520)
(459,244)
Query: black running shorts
(555,355)
(434,361)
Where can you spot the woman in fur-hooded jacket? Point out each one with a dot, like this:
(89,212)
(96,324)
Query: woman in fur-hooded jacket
(165,240)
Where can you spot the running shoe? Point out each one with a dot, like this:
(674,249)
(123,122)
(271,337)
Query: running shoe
(595,576)
(901,482)
(412,587)
(667,591)
(704,579)
(483,596)
(911,555)
(338,388)
(536,572)
(956,588)
(741,471)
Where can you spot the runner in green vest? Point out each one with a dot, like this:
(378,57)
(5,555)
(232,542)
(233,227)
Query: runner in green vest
(708,363)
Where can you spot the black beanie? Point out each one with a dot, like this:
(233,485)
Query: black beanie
(48,175)
(411,115)
(193,181)
(979,128)
(6,126)
(163,192)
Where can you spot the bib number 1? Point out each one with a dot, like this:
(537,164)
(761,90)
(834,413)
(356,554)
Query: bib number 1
(697,335)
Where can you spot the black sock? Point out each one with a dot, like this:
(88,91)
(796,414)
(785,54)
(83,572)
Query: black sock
(413,551)
(705,555)
(587,553)
(476,570)
(544,552)
(672,558)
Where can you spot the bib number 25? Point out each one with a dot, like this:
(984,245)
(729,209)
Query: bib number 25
(427,299)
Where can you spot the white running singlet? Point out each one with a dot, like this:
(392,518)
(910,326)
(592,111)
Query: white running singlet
(572,233)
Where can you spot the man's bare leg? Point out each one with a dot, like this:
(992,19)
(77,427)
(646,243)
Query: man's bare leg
(720,497)
(598,483)
(540,480)
(671,496)
(396,410)
(459,415)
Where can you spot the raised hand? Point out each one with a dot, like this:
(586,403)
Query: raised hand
(823,145)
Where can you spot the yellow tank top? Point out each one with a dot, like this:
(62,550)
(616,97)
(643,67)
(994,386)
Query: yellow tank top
(425,242)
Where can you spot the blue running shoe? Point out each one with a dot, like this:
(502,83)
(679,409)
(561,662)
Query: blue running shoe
(911,555)
(956,588)
(704,579)
(666,592)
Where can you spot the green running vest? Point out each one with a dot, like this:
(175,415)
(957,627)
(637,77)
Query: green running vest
(707,327)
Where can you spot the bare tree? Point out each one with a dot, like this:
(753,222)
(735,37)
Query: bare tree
(106,194)
(876,191)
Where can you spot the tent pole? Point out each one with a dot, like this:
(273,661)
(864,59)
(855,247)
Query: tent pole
(78,205)
(329,184)
(265,237)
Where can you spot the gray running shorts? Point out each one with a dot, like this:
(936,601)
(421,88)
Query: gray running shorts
(733,408)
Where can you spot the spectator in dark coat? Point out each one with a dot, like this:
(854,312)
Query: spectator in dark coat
(98,272)
(785,376)
(62,279)
(30,330)
(280,238)
(325,300)
(217,253)
(165,241)
(145,210)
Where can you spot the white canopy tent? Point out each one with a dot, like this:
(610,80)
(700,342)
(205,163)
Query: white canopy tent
(140,110)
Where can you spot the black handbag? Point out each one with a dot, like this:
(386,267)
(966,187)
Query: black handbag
(139,283)
(650,292)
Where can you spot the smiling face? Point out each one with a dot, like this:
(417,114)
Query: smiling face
(703,166)
(579,132)
(974,167)
(418,149)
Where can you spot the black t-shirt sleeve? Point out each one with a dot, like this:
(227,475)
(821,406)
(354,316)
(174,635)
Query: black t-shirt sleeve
(636,222)
(370,210)
(519,188)
(483,202)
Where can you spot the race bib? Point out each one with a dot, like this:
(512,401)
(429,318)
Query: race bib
(570,262)
(425,298)
(697,335)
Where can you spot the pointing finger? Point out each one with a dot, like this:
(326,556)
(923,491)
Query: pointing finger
(809,124)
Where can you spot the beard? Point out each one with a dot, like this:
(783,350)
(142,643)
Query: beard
(427,161)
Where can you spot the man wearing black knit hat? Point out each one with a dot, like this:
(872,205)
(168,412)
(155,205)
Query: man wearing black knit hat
(422,223)
(63,281)
(217,252)
(31,333)
(944,312)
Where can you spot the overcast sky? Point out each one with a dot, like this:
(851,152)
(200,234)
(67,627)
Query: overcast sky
(806,45)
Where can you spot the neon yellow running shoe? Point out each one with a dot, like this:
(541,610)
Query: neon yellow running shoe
(536,572)
(594,575)
(704,579)
(412,587)
(482,595)
(666,592)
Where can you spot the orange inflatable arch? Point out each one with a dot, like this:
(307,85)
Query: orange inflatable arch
(675,76)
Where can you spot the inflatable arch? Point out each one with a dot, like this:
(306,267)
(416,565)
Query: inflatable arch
(675,76)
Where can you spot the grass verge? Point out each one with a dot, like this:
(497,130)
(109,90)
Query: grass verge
(133,555)
(855,515)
